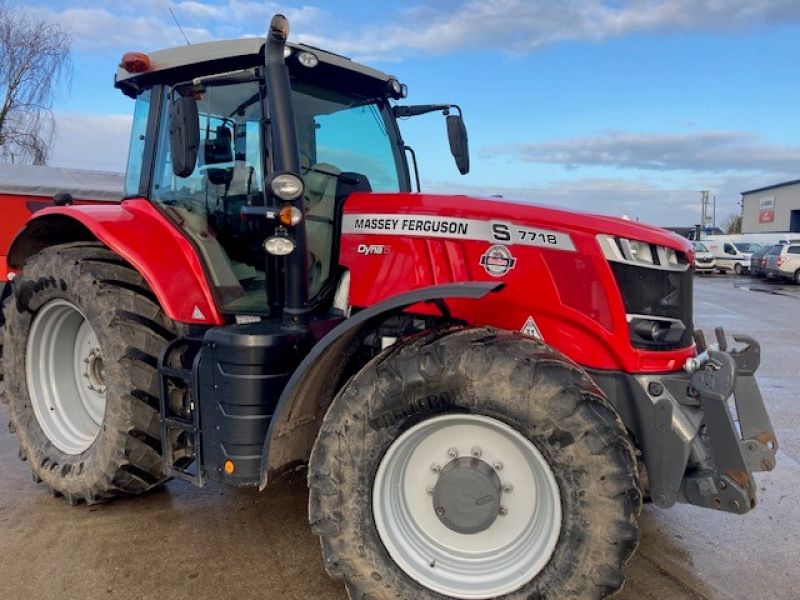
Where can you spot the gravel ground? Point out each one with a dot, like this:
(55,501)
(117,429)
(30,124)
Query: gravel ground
(181,542)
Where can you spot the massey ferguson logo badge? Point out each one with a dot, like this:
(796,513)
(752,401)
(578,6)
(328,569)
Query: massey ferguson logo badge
(498,260)
(373,249)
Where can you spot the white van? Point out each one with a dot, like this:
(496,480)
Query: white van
(728,257)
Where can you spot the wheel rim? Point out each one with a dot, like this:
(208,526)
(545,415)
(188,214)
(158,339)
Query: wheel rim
(66,376)
(495,559)
(738,269)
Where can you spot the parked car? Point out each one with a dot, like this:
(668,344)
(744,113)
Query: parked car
(728,257)
(783,262)
(758,261)
(704,262)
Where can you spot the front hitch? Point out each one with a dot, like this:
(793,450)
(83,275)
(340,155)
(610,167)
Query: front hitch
(737,448)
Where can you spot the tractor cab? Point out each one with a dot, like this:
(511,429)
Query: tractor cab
(204,147)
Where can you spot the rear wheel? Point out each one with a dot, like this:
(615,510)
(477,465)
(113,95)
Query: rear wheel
(474,464)
(82,337)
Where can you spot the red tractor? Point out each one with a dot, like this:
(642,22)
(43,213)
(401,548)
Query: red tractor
(483,391)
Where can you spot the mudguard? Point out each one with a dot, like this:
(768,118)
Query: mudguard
(318,378)
(143,237)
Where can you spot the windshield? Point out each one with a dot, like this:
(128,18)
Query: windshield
(345,133)
(747,246)
(700,247)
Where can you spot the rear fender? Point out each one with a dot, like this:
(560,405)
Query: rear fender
(306,397)
(143,237)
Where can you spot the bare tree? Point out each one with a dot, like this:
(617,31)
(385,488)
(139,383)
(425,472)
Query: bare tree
(34,59)
(733,224)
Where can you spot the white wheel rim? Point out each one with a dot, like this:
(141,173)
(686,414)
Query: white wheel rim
(499,560)
(65,375)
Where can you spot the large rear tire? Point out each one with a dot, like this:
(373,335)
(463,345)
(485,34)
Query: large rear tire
(484,415)
(82,336)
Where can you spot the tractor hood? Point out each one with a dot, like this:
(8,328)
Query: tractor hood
(472,209)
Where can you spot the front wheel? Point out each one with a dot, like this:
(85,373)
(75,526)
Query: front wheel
(474,464)
(737,268)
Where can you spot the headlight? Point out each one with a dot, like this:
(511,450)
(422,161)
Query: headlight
(278,245)
(643,254)
(287,186)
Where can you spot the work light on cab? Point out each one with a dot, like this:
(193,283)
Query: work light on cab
(287,186)
(279,245)
(307,59)
(135,62)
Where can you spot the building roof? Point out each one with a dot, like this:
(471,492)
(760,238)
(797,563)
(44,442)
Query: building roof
(772,187)
(29,180)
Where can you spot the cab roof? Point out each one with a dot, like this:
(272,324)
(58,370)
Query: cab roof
(226,55)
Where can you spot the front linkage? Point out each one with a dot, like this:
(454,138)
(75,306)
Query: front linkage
(737,452)
(692,448)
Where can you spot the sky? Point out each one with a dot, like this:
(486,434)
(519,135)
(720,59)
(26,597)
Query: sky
(609,106)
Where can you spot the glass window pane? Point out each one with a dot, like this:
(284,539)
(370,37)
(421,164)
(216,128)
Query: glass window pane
(207,204)
(133,173)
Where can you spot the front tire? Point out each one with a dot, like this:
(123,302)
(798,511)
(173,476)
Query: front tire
(82,337)
(425,425)
(737,268)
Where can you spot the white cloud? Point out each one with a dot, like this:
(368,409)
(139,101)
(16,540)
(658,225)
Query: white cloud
(94,142)
(517,26)
(705,151)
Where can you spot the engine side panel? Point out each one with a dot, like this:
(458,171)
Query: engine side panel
(559,285)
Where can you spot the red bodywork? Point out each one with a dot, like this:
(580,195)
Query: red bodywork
(141,235)
(571,295)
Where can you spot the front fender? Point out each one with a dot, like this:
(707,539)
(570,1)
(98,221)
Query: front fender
(317,380)
(143,237)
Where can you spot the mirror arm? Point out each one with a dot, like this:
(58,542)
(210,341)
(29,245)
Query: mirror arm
(419,109)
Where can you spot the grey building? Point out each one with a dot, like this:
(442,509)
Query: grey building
(772,209)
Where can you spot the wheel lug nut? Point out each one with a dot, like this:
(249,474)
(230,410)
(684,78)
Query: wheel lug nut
(498,466)
(429,490)
(503,511)
(435,468)
(440,510)
(476,452)
(508,488)
(452,453)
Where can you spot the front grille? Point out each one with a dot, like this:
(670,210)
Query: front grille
(658,293)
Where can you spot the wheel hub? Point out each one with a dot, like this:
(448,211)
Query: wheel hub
(466,497)
(437,496)
(66,377)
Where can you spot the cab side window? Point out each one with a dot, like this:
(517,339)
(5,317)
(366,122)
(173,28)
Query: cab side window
(133,173)
(794,250)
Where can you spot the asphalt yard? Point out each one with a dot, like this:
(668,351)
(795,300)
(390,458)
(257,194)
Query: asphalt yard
(181,542)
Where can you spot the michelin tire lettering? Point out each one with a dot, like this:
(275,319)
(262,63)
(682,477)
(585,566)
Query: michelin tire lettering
(494,232)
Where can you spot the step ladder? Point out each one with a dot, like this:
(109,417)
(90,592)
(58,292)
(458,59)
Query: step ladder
(186,461)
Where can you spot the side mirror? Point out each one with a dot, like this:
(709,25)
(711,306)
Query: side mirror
(184,134)
(459,144)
